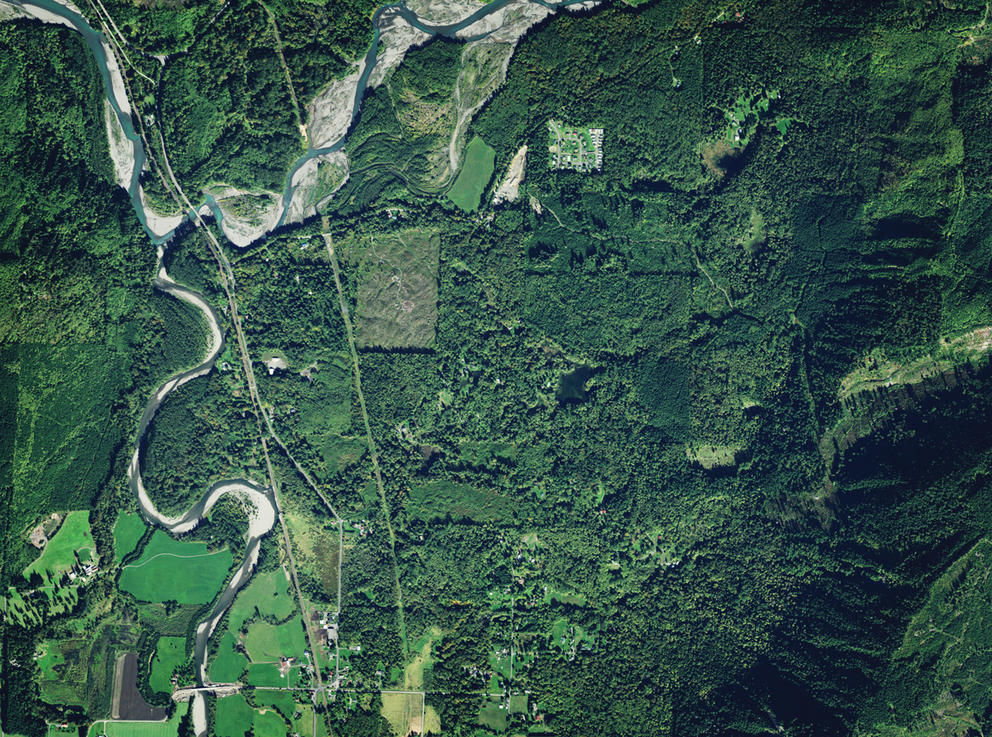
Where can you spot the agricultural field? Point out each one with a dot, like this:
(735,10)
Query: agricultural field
(170,570)
(267,596)
(267,713)
(404,712)
(474,175)
(269,642)
(168,728)
(232,717)
(128,530)
(228,664)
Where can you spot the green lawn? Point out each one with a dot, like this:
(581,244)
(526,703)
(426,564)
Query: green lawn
(268,594)
(477,170)
(228,665)
(170,653)
(140,729)
(268,642)
(233,717)
(127,531)
(170,570)
(59,554)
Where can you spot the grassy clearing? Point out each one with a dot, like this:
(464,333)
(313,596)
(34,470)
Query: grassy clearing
(397,290)
(127,532)
(140,729)
(267,642)
(404,712)
(267,595)
(420,666)
(477,170)
(439,500)
(229,664)
(432,721)
(493,715)
(170,653)
(170,570)
(518,703)
(232,717)
(49,658)
(59,556)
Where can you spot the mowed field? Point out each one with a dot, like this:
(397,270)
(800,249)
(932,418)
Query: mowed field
(480,159)
(234,717)
(169,570)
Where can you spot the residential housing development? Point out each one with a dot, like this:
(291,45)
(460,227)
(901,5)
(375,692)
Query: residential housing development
(579,149)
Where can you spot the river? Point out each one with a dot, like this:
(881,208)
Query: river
(259,497)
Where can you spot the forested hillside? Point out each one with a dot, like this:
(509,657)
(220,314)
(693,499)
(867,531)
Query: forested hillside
(691,440)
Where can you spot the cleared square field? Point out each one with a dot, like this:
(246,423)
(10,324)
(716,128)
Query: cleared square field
(404,712)
(397,291)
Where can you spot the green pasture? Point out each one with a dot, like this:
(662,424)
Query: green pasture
(266,642)
(232,716)
(127,532)
(170,570)
(304,725)
(59,554)
(267,674)
(477,170)
(170,653)
(282,701)
(228,665)
(267,595)
(269,724)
